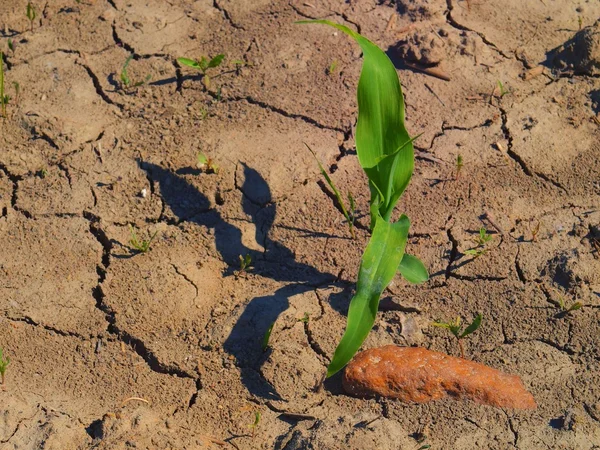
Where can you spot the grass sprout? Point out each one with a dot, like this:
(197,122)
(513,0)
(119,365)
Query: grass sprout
(267,337)
(124,76)
(4,99)
(142,245)
(567,309)
(348,213)
(4,362)
(31,14)
(203,65)
(455,327)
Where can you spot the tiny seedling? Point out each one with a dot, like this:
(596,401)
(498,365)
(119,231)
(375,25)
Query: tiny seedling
(349,213)
(126,81)
(535,231)
(580,22)
(43,172)
(501,88)
(143,245)
(203,64)
(4,362)
(567,309)
(455,327)
(459,165)
(31,15)
(245,263)
(267,337)
(4,99)
(304,319)
(11,45)
(483,238)
(254,425)
(332,67)
(206,164)
(17,87)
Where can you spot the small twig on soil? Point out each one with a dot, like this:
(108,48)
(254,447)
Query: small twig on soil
(435,95)
(298,416)
(492,222)
(139,399)
(434,72)
(391,22)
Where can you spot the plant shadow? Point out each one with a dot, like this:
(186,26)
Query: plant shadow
(276,262)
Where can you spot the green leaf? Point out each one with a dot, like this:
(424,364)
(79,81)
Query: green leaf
(473,326)
(377,268)
(413,270)
(189,62)
(216,61)
(203,64)
(266,337)
(124,77)
(380,130)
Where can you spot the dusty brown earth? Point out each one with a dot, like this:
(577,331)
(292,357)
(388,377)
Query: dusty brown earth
(111,349)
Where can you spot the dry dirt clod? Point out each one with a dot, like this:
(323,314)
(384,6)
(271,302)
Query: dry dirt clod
(414,374)
(581,54)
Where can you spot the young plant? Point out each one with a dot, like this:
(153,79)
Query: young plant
(206,164)
(11,45)
(483,238)
(385,152)
(455,327)
(567,309)
(4,362)
(459,165)
(124,76)
(332,67)
(203,64)
(31,15)
(304,319)
(501,88)
(348,215)
(254,425)
(4,99)
(267,337)
(245,263)
(143,245)
(535,231)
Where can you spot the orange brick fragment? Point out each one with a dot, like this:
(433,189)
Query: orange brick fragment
(414,374)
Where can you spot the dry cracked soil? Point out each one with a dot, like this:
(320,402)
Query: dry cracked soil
(115,349)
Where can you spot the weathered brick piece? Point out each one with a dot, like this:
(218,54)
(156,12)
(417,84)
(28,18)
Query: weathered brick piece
(414,374)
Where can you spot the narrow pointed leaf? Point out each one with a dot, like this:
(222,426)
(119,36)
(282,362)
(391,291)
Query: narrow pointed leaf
(216,61)
(380,129)
(473,326)
(413,270)
(377,268)
(188,62)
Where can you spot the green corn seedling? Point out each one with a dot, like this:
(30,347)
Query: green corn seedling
(332,67)
(143,245)
(455,327)
(4,362)
(567,309)
(126,81)
(267,337)
(385,152)
(203,64)
(459,165)
(348,215)
(31,15)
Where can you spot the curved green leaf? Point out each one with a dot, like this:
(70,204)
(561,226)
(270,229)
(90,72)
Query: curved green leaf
(473,326)
(377,268)
(189,62)
(380,129)
(216,61)
(413,270)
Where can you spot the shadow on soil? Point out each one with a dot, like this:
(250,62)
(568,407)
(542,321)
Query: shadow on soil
(277,262)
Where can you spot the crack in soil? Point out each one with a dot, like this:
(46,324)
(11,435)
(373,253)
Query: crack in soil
(453,251)
(65,333)
(185,277)
(226,14)
(97,85)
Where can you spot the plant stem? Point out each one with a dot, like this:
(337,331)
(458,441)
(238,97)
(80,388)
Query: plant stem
(462,349)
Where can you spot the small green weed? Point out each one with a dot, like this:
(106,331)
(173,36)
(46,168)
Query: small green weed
(332,67)
(124,76)
(459,165)
(42,173)
(304,319)
(455,327)
(11,45)
(502,90)
(567,309)
(31,14)
(4,99)
(245,263)
(203,65)
(143,245)
(267,337)
(254,425)
(349,213)
(4,362)
(206,164)
(535,231)
(483,238)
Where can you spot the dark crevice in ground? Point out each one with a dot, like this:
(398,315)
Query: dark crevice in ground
(314,345)
(453,23)
(186,278)
(475,277)
(518,268)
(65,333)
(226,15)
(97,85)
(120,42)
(453,252)
(135,343)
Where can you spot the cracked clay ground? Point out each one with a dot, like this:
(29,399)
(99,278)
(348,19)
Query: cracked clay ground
(115,350)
